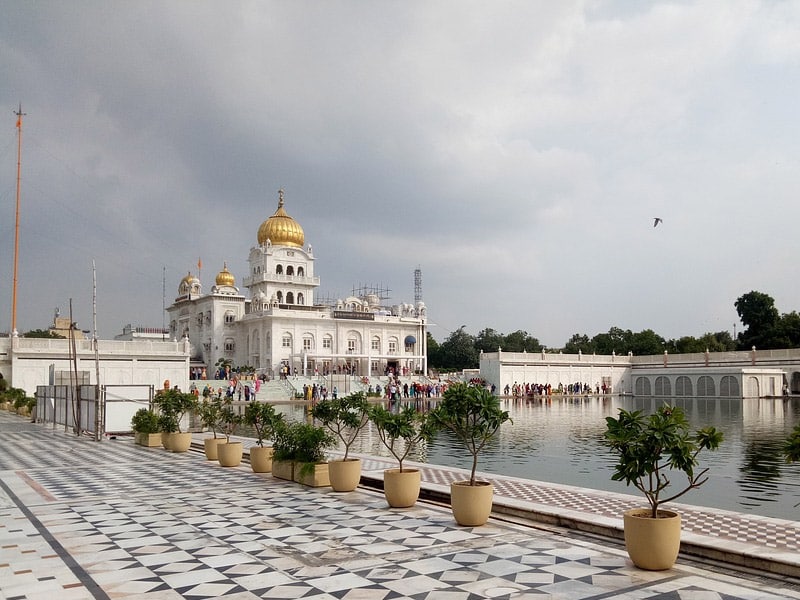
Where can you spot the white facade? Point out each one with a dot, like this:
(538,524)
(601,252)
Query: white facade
(31,362)
(278,324)
(710,374)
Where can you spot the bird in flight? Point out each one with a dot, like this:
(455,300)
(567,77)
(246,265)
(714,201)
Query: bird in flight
(657,220)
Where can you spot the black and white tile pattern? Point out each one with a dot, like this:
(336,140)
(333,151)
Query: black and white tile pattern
(118,521)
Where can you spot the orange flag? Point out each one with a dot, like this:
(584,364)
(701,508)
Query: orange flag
(199,264)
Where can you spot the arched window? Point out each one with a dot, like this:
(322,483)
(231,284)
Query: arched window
(229,318)
(729,386)
(286,340)
(279,269)
(289,297)
(300,272)
(327,341)
(642,386)
(663,386)
(300,298)
(375,343)
(230,345)
(290,270)
(705,386)
(683,386)
(280,297)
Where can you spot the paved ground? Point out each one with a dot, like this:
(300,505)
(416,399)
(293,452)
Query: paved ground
(80,519)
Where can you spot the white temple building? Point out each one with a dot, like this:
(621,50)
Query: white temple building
(276,326)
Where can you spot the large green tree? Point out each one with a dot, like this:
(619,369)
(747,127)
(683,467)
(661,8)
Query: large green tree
(489,340)
(458,352)
(759,315)
(579,342)
(521,341)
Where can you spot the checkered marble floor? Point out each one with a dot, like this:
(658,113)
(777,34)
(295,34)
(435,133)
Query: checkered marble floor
(113,520)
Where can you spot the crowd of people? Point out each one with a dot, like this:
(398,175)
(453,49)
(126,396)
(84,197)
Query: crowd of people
(520,390)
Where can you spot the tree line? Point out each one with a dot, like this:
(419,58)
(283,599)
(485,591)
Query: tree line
(764,327)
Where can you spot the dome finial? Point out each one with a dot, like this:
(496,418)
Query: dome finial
(280,197)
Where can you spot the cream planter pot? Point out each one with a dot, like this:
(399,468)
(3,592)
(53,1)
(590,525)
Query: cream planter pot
(261,459)
(283,469)
(150,440)
(210,447)
(401,488)
(652,544)
(318,476)
(345,475)
(471,504)
(230,454)
(179,442)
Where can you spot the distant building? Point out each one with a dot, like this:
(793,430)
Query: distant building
(277,327)
(130,333)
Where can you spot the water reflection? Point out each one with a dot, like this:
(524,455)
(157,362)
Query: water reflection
(561,441)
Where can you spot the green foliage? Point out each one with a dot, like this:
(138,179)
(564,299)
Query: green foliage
(344,417)
(210,412)
(791,448)
(13,395)
(261,416)
(42,333)
(145,421)
(472,414)
(3,384)
(402,431)
(457,352)
(649,448)
(301,442)
(172,405)
(579,343)
(229,419)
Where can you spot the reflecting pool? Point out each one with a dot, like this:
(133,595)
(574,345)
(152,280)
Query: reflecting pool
(560,440)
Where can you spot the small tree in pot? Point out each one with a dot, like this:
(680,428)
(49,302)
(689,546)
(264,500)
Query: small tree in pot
(145,427)
(650,448)
(262,417)
(344,417)
(473,415)
(300,453)
(229,453)
(210,411)
(401,432)
(172,406)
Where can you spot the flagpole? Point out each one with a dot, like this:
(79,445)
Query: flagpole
(19,114)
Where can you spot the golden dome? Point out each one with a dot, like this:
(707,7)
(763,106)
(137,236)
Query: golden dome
(281,229)
(225,277)
(189,284)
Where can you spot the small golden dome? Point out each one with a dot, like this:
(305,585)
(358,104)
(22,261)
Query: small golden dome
(188,284)
(281,229)
(225,277)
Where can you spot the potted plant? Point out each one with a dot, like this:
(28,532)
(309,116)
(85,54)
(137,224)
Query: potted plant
(145,428)
(649,449)
(300,453)
(210,411)
(401,432)
(791,447)
(229,453)
(262,417)
(344,417)
(172,406)
(473,415)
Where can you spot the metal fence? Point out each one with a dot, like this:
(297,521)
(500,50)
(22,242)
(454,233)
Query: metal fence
(82,410)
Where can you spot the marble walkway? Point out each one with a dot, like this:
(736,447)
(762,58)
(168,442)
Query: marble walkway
(81,519)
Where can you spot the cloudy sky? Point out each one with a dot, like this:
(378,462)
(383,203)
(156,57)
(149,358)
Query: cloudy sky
(516,152)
